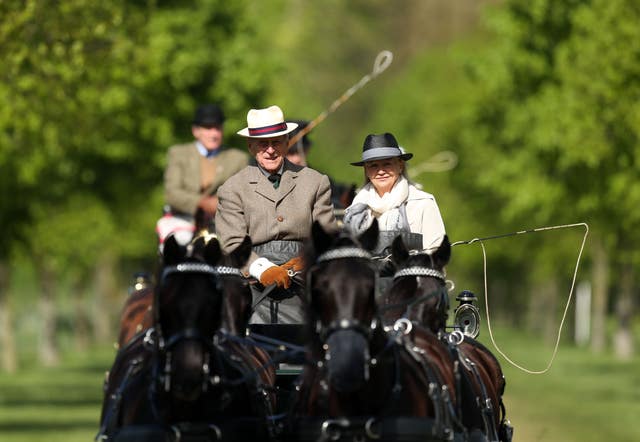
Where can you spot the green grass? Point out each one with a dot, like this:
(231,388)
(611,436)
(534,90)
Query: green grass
(54,404)
(584,397)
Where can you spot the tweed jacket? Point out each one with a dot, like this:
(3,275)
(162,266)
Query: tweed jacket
(248,204)
(182,178)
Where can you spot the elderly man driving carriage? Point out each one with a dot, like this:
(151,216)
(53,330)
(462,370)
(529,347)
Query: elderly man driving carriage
(275,202)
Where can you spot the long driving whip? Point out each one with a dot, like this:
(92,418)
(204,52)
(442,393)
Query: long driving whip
(382,62)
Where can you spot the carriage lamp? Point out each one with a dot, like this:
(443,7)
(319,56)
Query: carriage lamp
(466,316)
(141,281)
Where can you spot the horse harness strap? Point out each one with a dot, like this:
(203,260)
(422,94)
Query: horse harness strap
(438,391)
(110,421)
(247,428)
(369,428)
(483,401)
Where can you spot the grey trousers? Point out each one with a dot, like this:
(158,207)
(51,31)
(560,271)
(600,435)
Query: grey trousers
(273,305)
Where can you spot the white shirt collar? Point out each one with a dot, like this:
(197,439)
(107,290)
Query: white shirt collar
(203,150)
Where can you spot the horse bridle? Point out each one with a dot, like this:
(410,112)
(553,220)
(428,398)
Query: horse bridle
(164,345)
(342,324)
(421,271)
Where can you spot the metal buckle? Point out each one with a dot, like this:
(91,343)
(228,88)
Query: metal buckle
(331,428)
(368,429)
(403,325)
(455,337)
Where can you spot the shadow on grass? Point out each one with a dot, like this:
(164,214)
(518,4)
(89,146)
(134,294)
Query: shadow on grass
(50,402)
(40,426)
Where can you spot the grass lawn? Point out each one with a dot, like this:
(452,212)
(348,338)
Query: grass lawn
(584,397)
(54,404)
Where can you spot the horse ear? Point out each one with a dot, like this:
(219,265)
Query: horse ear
(399,251)
(321,240)
(172,252)
(369,238)
(212,252)
(240,255)
(197,247)
(443,254)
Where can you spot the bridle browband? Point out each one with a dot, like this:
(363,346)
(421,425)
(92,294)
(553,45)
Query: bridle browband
(196,267)
(420,271)
(344,252)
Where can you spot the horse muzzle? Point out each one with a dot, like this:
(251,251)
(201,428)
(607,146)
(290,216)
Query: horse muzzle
(347,358)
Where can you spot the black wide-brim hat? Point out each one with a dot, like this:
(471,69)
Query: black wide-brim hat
(381,147)
(208,115)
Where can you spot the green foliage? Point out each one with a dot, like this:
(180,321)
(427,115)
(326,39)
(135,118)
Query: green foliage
(557,113)
(99,91)
(73,237)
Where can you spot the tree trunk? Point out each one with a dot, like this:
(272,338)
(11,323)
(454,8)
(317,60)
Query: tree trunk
(7,339)
(81,326)
(104,280)
(542,316)
(623,339)
(600,294)
(48,348)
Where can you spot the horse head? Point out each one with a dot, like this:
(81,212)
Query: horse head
(189,311)
(419,290)
(342,314)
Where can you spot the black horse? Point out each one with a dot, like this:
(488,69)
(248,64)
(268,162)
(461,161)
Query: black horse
(419,294)
(186,379)
(361,382)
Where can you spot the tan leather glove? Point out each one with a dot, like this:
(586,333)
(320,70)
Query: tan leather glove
(296,264)
(275,275)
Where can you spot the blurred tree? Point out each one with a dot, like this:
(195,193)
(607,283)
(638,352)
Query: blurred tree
(557,123)
(329,46)
(98,91)
(68,242)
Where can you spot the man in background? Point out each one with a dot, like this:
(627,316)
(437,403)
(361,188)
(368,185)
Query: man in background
(196,169)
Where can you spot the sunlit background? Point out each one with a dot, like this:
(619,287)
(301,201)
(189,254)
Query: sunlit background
(520,114)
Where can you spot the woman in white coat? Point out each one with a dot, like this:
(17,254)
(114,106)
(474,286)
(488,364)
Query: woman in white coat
(388,196)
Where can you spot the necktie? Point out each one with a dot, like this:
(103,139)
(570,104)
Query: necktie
(213,153)
(275,180)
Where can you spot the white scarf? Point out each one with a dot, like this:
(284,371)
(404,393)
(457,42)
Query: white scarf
(385,207)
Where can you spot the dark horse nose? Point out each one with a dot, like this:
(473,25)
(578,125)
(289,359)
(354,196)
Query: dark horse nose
(348,360)
(188,368)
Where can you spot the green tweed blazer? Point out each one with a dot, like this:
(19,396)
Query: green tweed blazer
(182,178)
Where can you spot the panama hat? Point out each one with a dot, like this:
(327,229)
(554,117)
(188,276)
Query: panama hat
(381,147)
(265,123)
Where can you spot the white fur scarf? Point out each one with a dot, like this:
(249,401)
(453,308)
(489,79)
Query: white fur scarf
(386,207)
